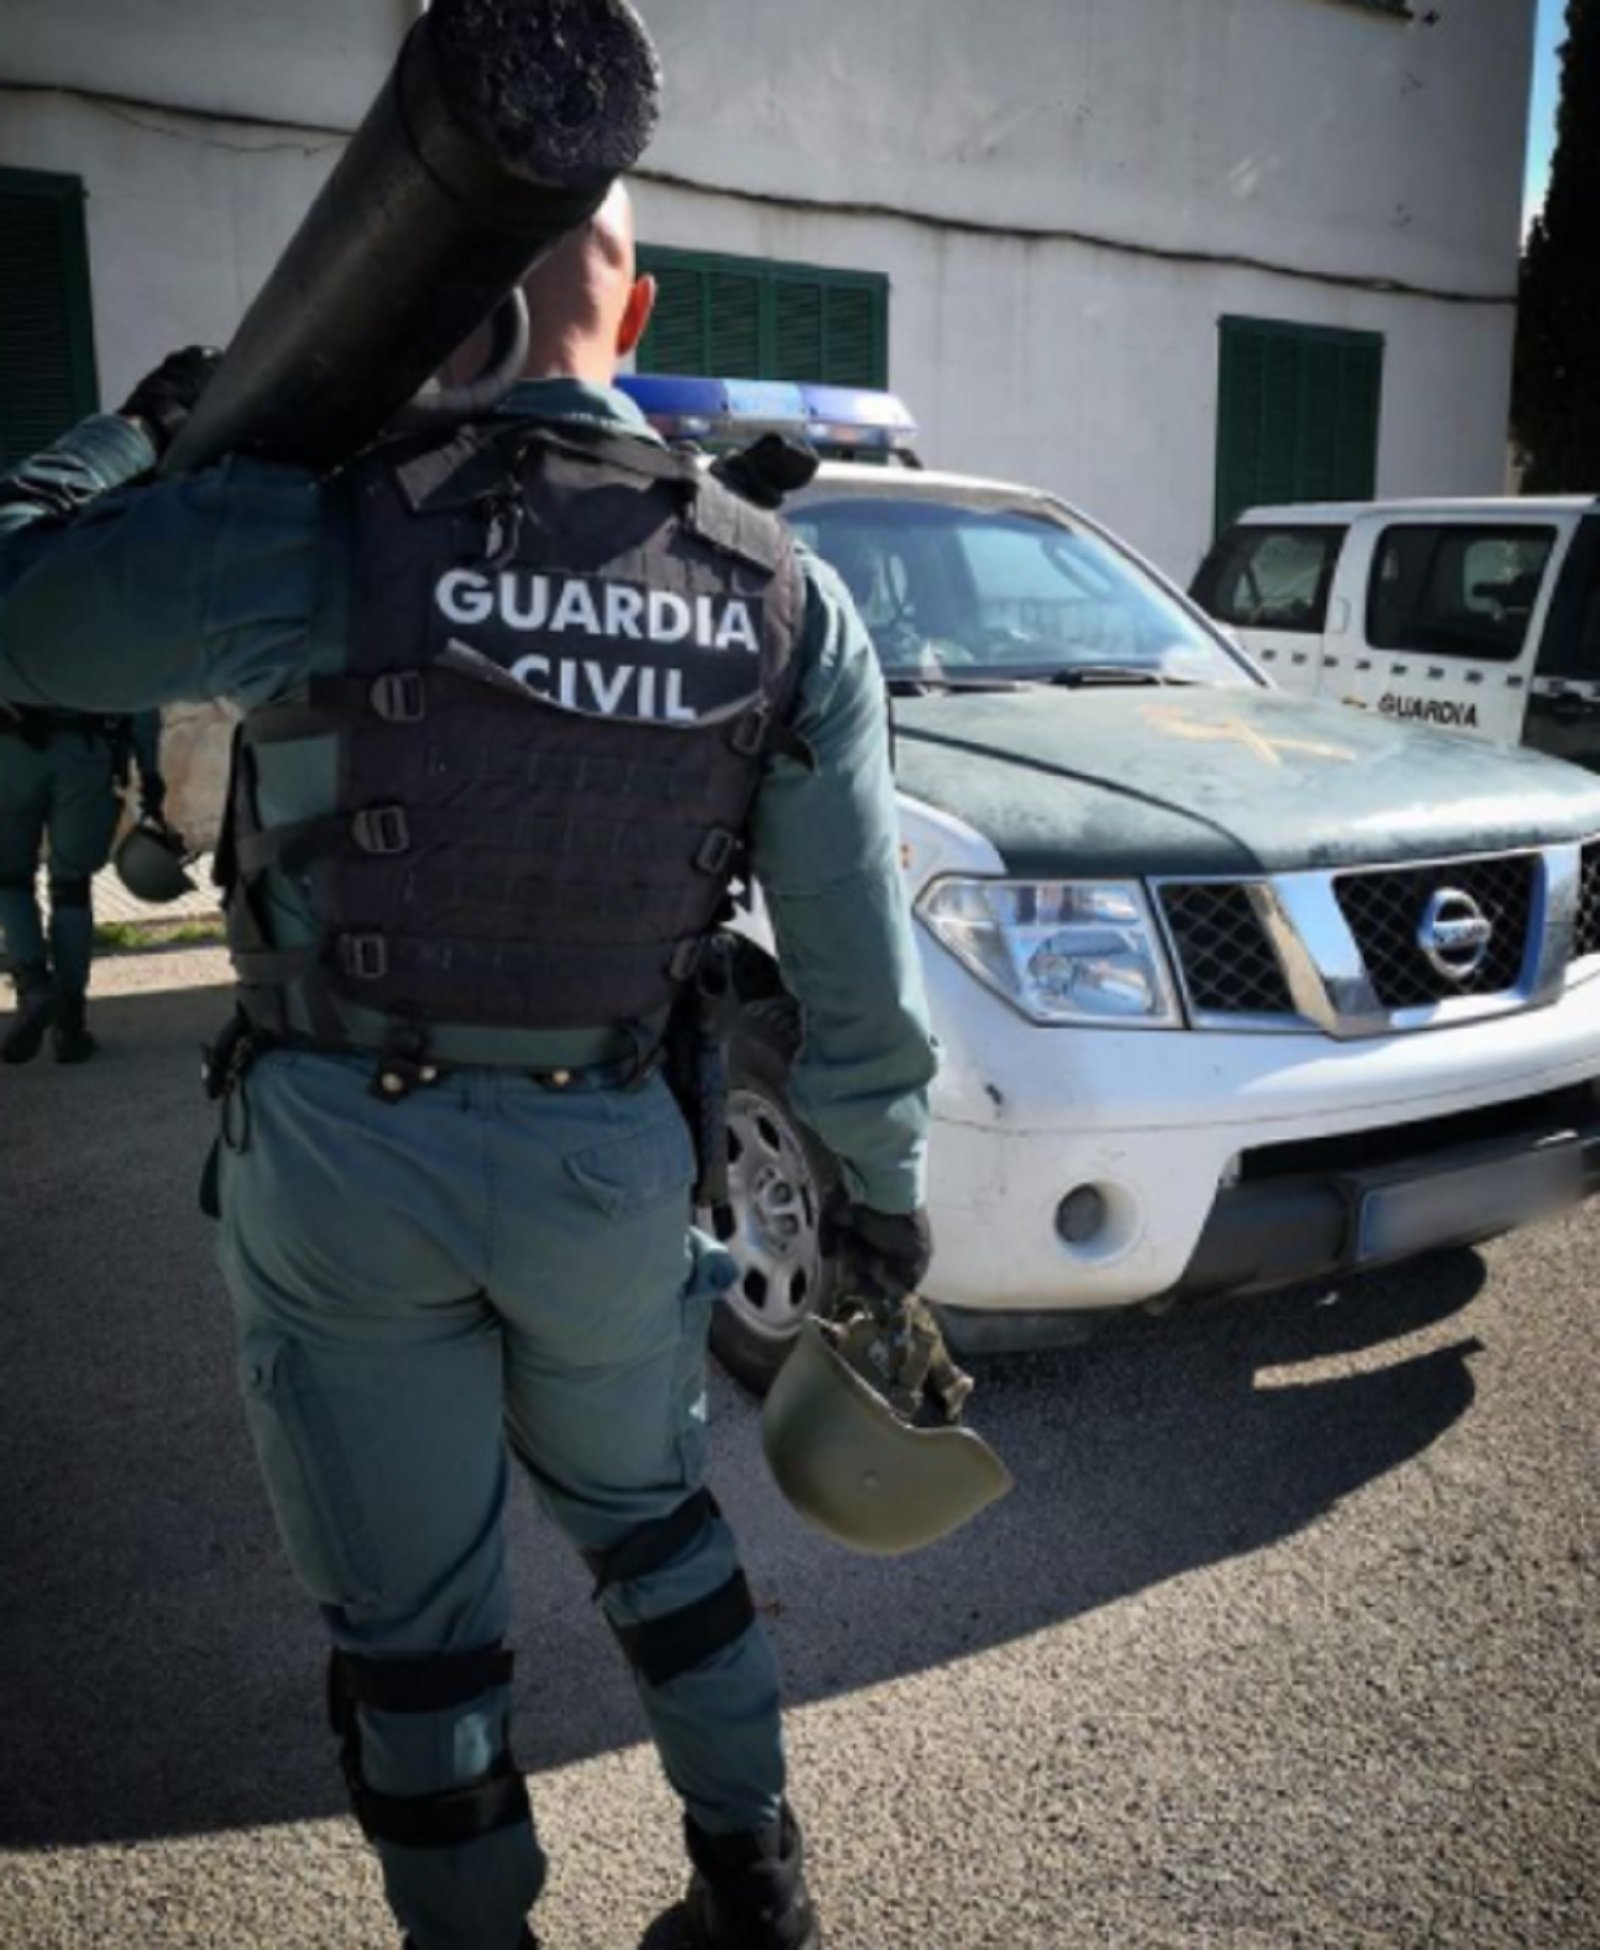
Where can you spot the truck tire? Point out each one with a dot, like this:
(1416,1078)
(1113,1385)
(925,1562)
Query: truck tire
(778,1175)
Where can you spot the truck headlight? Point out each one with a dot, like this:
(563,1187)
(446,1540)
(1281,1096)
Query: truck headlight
(1057,950)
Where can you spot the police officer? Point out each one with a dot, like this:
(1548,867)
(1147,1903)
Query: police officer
(60,773)
(520,701)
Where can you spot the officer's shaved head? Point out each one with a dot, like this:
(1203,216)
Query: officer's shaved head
(587,304)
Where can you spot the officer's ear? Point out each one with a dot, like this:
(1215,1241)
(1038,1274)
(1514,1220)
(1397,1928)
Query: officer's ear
(636,315)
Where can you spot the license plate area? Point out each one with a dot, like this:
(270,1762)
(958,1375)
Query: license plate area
(1471,1202)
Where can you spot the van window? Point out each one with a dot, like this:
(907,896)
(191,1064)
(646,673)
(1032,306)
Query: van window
(1271,578)
(1569,643)
(1455,591)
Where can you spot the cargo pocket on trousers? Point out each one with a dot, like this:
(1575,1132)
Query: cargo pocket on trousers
(711,1273)
(307,1472)
(637,1169)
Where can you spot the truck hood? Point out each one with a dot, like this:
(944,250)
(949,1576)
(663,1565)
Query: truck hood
(1147,781)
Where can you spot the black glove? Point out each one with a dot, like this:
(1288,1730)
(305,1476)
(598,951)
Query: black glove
(152,796)
(882,1255)
(165,398)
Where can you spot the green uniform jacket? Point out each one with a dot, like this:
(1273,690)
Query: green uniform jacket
(236,583)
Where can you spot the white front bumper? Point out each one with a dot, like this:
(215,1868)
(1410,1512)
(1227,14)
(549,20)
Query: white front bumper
(1155,1119)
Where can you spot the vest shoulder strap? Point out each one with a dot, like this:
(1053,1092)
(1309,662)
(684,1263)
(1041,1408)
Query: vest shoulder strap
(731,522)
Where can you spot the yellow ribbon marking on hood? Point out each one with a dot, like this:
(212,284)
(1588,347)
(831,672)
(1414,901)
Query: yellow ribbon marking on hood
(1238,731)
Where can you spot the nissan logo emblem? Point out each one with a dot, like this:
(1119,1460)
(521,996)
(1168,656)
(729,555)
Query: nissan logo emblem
(1455,934)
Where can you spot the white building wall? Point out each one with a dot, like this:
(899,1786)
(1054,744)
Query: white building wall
(1311,132)
(971,153)
(1096,374)
(185,216)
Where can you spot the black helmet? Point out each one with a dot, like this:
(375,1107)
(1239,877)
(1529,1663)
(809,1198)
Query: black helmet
(150,863)
(862,1431)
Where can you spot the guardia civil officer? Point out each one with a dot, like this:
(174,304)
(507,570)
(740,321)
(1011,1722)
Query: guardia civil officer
(60,774)
(519,702)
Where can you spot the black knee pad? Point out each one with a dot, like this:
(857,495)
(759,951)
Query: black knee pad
(69,893)
(662,1648)
(496,1799)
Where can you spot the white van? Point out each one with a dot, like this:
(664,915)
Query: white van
(1474,616)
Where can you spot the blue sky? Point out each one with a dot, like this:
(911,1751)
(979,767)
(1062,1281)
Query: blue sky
(1552,23)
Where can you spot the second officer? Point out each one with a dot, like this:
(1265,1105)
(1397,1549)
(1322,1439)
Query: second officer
(60,774)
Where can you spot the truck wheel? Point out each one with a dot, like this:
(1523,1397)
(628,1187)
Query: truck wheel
(778,1175)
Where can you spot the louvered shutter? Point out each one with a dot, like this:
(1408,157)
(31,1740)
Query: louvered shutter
(1297,416)
(676,341)
(735,326)
(798,306)
(746,318)
(1360,414)
(47,377)
(852,353)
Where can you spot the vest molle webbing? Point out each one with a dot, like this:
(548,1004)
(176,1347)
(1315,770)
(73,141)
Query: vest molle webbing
(572,654)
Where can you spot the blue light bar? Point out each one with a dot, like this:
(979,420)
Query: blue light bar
(855,416)
(733,412)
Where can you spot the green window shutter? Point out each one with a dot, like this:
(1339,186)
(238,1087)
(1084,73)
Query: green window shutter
(1239,421)
(1361,411)
(799,306)
(735,325)
(676,341)
(748,318)
(852,352)
(47,372)
(1298,415)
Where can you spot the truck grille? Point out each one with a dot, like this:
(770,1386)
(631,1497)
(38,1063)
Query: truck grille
(1384,911)
(1586,938)
(1229,966)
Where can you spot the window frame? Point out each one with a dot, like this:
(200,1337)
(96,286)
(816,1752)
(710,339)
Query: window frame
(1220,562)
(1420,643)
(1569,643)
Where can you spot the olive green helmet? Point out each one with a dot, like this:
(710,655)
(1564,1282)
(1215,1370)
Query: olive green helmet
(150,863)
(842,1444)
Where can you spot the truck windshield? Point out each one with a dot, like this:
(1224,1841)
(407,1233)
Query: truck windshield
(956,592)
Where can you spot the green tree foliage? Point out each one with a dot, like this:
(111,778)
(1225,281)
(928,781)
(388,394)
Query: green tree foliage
(1556,407)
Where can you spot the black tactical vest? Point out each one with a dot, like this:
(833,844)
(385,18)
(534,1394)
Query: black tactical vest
(571,653)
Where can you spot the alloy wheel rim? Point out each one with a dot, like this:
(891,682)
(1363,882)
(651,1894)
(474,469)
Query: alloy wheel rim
(775,1203)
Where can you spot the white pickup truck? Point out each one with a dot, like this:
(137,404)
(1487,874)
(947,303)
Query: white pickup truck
(1232,988)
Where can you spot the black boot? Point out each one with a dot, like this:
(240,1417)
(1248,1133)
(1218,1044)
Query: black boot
(748,1892)
(37,1004)
(72,1040)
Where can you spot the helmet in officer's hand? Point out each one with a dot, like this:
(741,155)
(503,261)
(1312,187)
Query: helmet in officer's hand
(856,1465)
(151,863)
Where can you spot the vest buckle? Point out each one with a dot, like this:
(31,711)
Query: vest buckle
(749,735)
(364,957)
(399,696)
(381,830)
(716,852)
(686,959)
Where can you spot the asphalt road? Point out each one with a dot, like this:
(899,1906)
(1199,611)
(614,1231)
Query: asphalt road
(1288,1635)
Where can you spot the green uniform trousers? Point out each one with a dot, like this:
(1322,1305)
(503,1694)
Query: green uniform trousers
(66,793)
(489,1267)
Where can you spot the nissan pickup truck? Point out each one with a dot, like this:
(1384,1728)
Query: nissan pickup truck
(1233,989)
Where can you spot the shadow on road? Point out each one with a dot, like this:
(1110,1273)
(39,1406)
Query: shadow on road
(162,1672)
